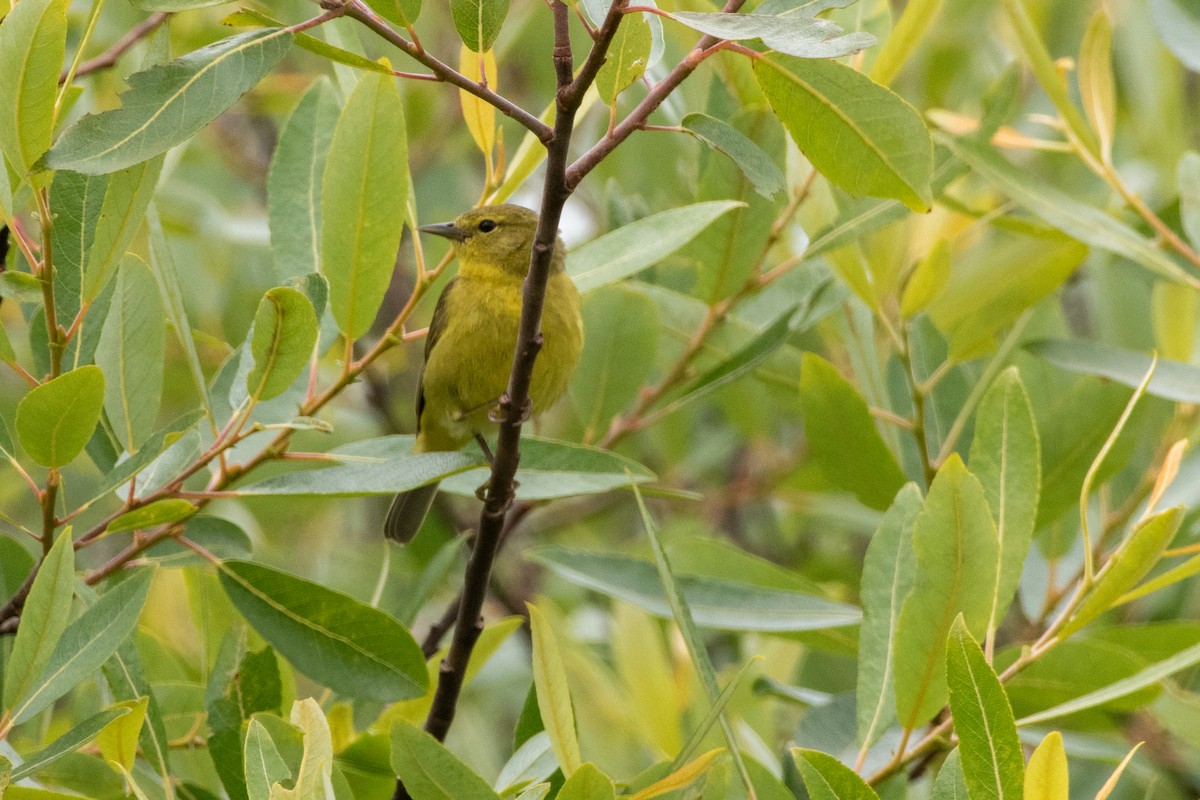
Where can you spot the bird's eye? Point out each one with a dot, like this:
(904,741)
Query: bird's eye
(487,226)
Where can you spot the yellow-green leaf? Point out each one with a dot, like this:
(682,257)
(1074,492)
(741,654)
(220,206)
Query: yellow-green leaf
(33,41)
(927,279)
(627,58)
(480,116)
(1096,79)
(118,742)
(55,420)
(553,694)
(1046,774)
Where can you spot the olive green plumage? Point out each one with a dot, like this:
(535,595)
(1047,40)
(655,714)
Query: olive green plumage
(469,349)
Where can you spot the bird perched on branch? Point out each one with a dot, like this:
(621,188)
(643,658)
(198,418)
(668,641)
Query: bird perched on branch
(469,349)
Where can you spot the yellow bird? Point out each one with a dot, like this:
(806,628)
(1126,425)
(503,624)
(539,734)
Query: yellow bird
(469,349)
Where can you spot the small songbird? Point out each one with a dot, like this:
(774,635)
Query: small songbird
(469,349)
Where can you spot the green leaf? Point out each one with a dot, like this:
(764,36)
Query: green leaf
(172,298)
(1188,178)
(127,681)
(285,333)
(20,286)
(928,279)
(745,359)
(294,182)
(1178,23)
(161,440)
(1096,89)
(951,784)
(131,353)
(886,580)
(127,196)
(842,437)
(727,604)
(166,104)
(758,167)
(1046,776)
(171,509)
(76,202)
(553,693)
(478,22)
(365,181)
(826,778)
(1006,457)
(587,783)
(908,32)
(1171,381)
(7,354)
(1078,220)
(367,476)
(264,766)
(69,742)
(430,771)
(626,58)
(638,245)
(33,41)
(222,538)
(248,17)
(956,547)
(87,643)
(346,645)
(316,767)
(621,328)
(118,742)
(990,287)
(1136,556)
(794,33)
(43,619)
(860,135)
(55,420)
(987,736)
(1149,676)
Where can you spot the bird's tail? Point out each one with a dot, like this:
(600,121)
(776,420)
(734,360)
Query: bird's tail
(407,512)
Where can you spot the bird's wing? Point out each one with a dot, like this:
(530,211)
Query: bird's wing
(436,326)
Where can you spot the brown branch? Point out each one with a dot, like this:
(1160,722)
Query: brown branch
(109,57)
(356,10)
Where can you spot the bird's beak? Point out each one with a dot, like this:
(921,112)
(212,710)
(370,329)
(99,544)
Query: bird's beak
(446,229)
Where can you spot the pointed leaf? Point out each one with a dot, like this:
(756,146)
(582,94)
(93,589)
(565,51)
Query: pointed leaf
(951,784)
(842,437)
(1006,457)
(160,512)
(886,580)
(69,742)
(43,619)
(294,182)
(1046,774)
(1096,79)
(641,244)
(1136,556)
(400,12)
(684,776)
(87,643)
(118,742)
(956,546)
(589,783)
(75,201)
(55,420)
(131,353)
(127,195)
(987,736)
(1083,222)
(752,160)
(264,766)
(860,135)
(285,332)
(33,41)
(166,104)
(553,693)
(430,771)
(826,778)
(315,780)
(331,637)
(365,181)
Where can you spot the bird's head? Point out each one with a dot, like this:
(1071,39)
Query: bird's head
(501,235)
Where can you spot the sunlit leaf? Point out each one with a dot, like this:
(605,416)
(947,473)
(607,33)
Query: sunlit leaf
(69,742)
(626,59)
(478,22)
(553,693)
(860,135)
(793,33)
(285,332)
(1046,774)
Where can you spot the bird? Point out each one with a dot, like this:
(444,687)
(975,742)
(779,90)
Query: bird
(473,335)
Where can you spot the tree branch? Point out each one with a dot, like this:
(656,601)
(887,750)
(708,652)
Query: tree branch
(355,9)
(109,57)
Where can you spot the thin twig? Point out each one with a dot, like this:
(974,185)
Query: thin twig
(109,57)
